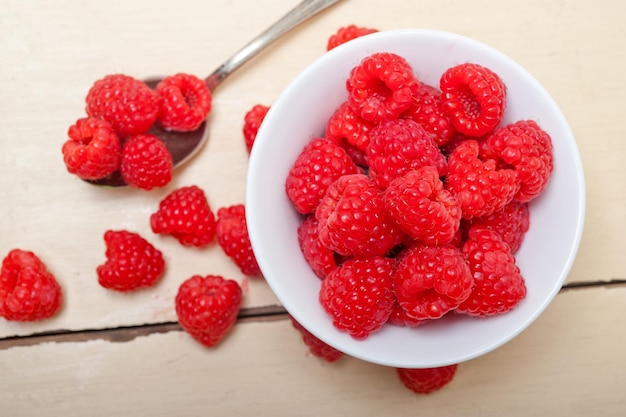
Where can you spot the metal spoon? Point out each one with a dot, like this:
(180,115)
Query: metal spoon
(184,145)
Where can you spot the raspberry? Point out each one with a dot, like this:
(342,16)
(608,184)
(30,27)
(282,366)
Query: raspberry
(207,307)
(511,223)
(345,124)
(316,346)
(421,207)
(146,162)
(381,87)
(474,97)
(352,219)
(398,146)
(319,164)
(499,285)
(427,380)
(347,33)
(526,147)
(427,110)
(28,291)
(127,103)
(186,102)
(232,235)
(432,280)
(358,295)
(93,149)
(480,187)
(399,317)
(318,256)
(186,215)
(252,122)
(132,262)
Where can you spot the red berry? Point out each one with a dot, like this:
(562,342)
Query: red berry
(426,380)
(399,317)
(316,346)
(186,102)
(352,219)
(427,110)
(421,207)
(93,149)
(127,103)
(347,33)
(499,285)
(319,257)
(398,146)
(431,281)
(381,87)
(146,162)
(480,187)
(511,223)
(232,235)
(474,98)
(186,215)
(345,124)
(252,122)
(358,295)
(319,164)
(28,291)
(132,262)
(207,307)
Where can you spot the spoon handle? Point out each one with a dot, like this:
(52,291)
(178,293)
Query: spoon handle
(297,15)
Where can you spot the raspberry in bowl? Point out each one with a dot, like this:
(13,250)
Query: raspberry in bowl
(362,202)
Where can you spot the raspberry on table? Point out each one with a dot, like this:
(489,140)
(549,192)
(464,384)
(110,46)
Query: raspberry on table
(186,215)
(320,258)
(345,124)
(186,102)
(352,219)
(427,110)
(474,97)
(511,223)
(381,87)
(231,230)
(319,164)
(427,380)
(347,33)
(93,150)
(207,307)
(430,281)
(499,284)
(316,346)
(358,295)
(146,162)
(126,102)
(131,262)
(252,122)
(28,290)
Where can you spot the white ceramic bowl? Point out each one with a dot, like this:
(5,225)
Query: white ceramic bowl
(300,113)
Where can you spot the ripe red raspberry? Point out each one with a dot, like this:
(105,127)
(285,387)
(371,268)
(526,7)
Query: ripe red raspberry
(93,149)
(252,122)
(319,164)
(499,285)
(526,147)
(480,187)
(132,262)
(186,215)
(28,291)
(427,110)
(186,102)
(232,235)
(421,207)
(207,307)
(127,103)
(474,97)
(399,317)
(398,146)
(511,223)
(381,87)
(345,124)
(352,219)
(347,33)
(146,162)
(319,257)
(432,280)
(316,346)
(358,295)
(427,380)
